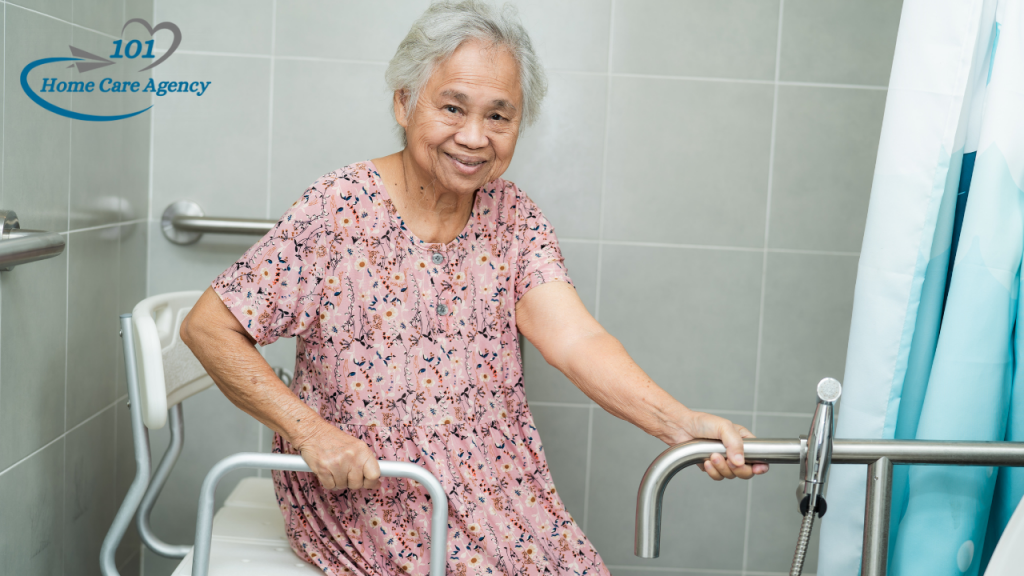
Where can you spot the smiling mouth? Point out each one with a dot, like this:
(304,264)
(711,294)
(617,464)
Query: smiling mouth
(469,163)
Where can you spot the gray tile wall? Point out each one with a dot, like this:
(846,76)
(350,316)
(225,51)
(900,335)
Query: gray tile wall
(707,167)
(66,456)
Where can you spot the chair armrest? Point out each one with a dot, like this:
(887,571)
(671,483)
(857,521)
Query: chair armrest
(204,522)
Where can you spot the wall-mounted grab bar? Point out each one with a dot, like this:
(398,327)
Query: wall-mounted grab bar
(21,246)
(880,455)
(184,222)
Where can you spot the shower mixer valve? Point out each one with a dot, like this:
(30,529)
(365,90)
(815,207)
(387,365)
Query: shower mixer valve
(816,449)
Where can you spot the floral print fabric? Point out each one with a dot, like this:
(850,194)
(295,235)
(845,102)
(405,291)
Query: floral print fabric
(412,347)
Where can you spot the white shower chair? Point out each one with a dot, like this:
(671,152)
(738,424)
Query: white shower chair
(247,535)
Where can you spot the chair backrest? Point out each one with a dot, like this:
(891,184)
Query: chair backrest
(168,371)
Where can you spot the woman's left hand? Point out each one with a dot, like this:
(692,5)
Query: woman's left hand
(702,425)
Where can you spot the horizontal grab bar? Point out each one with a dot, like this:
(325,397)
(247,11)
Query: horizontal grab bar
(21,246)
(787,451)
(222,225)
(184,222)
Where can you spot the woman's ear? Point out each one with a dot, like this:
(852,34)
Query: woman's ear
(401,108)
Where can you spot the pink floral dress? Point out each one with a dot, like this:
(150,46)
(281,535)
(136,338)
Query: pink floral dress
(412,347)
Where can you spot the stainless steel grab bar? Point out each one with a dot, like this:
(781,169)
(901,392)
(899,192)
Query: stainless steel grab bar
(204,521)
(880,455)
(21,246)
(184,222)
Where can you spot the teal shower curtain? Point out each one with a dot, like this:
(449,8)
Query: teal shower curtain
(935,335)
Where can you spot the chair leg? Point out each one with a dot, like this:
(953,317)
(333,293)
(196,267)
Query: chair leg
(163,471)
(123,518)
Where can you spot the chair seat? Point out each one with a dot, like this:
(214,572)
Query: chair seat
(249,538)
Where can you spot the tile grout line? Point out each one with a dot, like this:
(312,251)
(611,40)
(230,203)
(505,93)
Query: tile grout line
(128,560)
(707,247)
(711,410)
(67,313)
(604,160)
(333,60)
(543,404)
(270,161)
(117,300)
(600,246)
(551,70)
(701,571)
(764,270)
(270,101)
(748,81)
(786,414)
(811,252)
(3,142)
(149,244)
(149,206)
(76,427)
(51,17)
(833,85)
(586,473)
(103,226)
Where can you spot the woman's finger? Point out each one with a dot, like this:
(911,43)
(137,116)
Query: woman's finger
(722,467)
(744,472)
(371,473)
(755,469)
(733,441)
(710,470)
(353,472)
(327,478)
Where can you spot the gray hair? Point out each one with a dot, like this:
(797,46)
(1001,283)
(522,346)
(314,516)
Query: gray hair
(440,31)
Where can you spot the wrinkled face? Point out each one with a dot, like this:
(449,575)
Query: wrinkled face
(464,128)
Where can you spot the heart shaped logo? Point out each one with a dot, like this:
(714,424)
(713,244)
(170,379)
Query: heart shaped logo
(152,31)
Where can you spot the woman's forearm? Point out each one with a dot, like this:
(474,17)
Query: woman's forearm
(554,319)
(241,372)
(600,366)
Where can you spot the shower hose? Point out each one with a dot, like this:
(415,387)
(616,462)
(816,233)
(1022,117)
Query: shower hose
(802,540)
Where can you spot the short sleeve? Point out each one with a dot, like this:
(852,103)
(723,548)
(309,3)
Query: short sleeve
(539,259)
(273,289)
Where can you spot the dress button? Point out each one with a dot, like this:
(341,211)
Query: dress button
(442,309)
(437,258)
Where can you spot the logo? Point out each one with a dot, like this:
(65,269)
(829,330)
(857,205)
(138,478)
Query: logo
(129,54)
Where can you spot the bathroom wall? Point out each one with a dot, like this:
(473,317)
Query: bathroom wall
(66,455)
(707,167)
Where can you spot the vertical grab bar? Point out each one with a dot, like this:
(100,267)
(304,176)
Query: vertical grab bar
(876,518)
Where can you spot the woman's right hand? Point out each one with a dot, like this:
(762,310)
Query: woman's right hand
(339,460)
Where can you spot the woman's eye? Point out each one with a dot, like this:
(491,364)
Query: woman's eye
(451,109)
(496,117)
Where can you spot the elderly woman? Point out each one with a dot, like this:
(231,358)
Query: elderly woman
(407,281)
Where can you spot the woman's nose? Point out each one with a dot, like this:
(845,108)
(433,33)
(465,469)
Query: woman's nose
(472,134)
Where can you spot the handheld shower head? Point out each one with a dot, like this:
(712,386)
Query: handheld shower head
(815,458)
(814,463)
(829,390)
